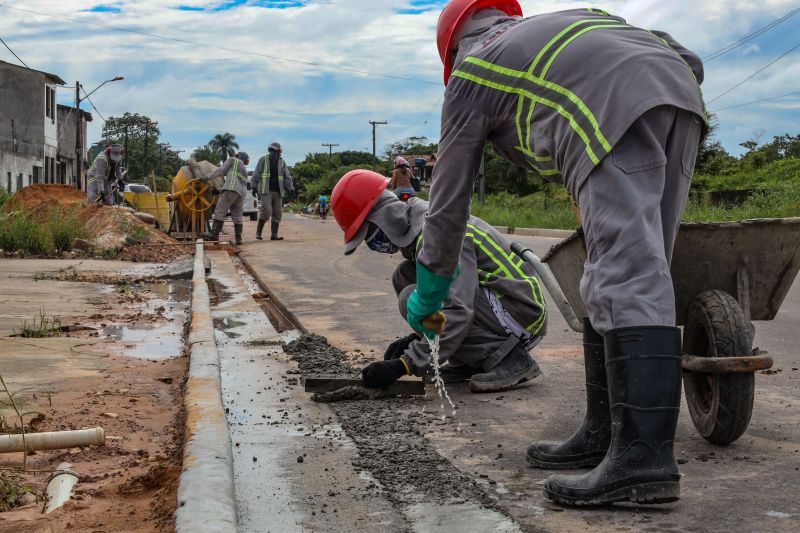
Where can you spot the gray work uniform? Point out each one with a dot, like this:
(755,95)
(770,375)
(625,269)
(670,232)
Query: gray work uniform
(494,303)
(557,94)
(233,191)
(98,180)
(271,201)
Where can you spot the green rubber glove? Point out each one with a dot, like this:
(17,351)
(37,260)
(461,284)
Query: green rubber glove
(428,298)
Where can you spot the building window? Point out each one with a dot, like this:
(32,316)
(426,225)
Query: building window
(52,170)
(8,183)
(37,171)
(50,102)
(19,182)
(46,169)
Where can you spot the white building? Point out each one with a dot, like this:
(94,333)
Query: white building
(28,127)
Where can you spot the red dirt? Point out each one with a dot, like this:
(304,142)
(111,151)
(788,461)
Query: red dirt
(40,196)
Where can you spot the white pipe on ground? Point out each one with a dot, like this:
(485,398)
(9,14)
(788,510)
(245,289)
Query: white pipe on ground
(59,487)
(54,440)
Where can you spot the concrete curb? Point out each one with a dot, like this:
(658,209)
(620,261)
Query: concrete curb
(206,497)
(536,232)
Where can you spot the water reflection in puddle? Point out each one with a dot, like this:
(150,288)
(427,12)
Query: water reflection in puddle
(170,301)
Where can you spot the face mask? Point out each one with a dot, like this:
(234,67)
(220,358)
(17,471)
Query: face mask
(379,242)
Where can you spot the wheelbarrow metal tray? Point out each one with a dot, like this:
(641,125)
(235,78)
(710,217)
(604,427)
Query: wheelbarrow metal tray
(709,255)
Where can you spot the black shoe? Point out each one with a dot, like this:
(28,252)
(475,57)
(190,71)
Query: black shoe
(237,231)
(588,445)
(517,367)
(274,227)
(260,228)
(213,235)
(644,380)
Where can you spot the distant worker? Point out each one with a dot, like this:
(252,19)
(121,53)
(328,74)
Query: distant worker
(401,175)
(270,182)
(232,197)
(323,207)
(495,312)
(615,114)
(106,170)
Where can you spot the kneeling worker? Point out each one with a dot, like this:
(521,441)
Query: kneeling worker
(496,310)
(232,198)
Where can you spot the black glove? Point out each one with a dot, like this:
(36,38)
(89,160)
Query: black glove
(398,347)
(255,193)
(381,374)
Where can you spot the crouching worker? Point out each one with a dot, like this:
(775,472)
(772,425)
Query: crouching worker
(232,198)
(105,170)
(496,310)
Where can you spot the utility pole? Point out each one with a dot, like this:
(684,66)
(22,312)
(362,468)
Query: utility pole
(375,123)
(330,149)
(146,146)
(78,142)
(125,148)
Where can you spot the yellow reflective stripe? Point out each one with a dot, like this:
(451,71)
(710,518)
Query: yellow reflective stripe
(532,281)
(542,171)
(572,38)
(556,38)
(549,103)
(572,97)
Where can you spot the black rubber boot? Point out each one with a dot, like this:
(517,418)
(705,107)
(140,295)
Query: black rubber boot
(260,228)
(237,231)
(515,368)
(644,379)
(588,445)
(274,227)
(213,235)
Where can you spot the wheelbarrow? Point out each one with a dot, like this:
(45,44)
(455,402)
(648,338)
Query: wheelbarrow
(756,260)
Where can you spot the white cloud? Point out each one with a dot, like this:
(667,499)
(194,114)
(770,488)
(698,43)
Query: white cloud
(196,91)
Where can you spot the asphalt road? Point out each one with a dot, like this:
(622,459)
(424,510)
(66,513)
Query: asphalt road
(750,485)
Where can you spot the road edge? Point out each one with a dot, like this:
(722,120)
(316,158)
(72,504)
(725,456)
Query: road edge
(206,496)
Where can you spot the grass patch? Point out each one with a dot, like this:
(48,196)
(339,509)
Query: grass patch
(23,231)
(4,197)
(538,210)
(39,326)
(12,489)
(775,203)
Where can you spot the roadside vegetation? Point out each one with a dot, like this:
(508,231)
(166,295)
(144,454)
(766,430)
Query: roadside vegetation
(764,182)
(4,196)
(22,231)
(39,327)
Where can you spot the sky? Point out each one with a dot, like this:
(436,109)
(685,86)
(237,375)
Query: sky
(307,72)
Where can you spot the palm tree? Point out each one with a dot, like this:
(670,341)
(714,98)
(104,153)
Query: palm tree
(224,144)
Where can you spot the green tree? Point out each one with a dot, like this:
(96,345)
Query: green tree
(142,137)
(224,144)
(206,153)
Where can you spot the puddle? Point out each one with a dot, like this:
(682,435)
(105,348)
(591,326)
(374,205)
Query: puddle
(169,300)
(163,342)
(225,324)
(456,517)
(777,514)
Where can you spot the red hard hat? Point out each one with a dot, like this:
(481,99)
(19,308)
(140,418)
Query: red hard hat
(353,197)
(458,11)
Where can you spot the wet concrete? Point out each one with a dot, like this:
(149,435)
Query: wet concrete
(748,486)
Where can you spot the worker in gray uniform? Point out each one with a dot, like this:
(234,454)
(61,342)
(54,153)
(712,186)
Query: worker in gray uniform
(615,114)
(270,182)
(104,171)
(495,311)
(232,197)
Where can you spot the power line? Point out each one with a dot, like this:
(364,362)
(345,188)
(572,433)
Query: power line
(736,44)
(12,52)
(751,76)
(86,97)
(224,48)
(756,101)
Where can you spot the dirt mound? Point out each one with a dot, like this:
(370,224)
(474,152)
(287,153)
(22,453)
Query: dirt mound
(117,231)
(44,196)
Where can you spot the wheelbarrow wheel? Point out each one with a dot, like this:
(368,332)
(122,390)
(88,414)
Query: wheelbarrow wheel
(720,404)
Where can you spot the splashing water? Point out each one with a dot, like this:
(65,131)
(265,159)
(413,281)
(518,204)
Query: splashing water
(437,377)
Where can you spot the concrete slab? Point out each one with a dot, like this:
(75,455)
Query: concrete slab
(748,486)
